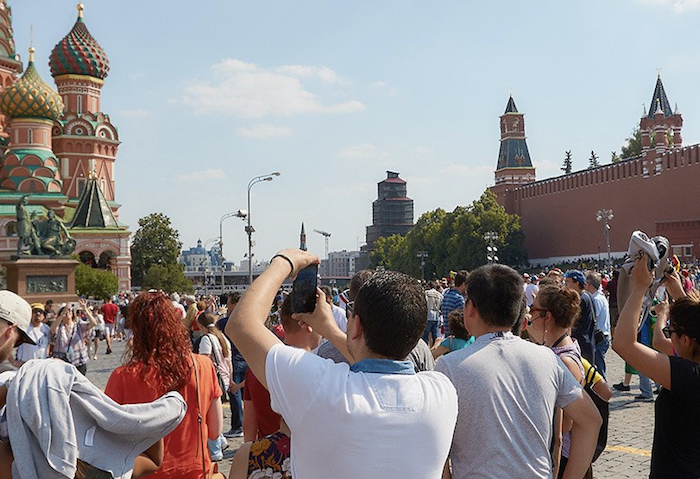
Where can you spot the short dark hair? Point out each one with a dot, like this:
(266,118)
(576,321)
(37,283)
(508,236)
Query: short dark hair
(289,324)
(233,298)
(496,291)
(461,278)
(456,322)
(393,312)
(357,281)
(328,292)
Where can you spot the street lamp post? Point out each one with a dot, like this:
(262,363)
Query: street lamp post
(242,214)
(605,216)
(491,237)
(249,229)
(422,255)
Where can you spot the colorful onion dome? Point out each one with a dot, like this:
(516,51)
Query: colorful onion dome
(79,53)
(30,97)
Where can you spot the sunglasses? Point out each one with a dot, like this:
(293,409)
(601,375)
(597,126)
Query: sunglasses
(349,309)
(542,311)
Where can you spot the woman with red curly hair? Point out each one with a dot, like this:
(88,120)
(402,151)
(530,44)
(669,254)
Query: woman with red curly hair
(158,360)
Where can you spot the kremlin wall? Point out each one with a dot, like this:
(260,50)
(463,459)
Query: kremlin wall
(653,192)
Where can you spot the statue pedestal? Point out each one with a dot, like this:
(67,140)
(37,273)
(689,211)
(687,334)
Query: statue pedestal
(40,278)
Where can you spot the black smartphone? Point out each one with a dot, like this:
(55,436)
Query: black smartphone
(304,290)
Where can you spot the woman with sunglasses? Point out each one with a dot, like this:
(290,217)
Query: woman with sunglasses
(552,315)
(159,359)
(676,448)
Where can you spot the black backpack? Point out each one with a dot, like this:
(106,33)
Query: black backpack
(603,408)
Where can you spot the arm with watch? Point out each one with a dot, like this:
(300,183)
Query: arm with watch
(246,326)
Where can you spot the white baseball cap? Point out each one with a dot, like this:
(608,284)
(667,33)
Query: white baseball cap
(17,311)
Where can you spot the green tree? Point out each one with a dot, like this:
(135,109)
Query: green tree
(454,240)
(169,278)
(156,242)
(613,157)
(593,160)
(98,283)
(633,148)
(568,163)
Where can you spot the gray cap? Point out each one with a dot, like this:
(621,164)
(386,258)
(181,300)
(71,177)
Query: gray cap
(17,311)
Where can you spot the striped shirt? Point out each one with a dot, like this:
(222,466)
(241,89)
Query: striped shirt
(452,300)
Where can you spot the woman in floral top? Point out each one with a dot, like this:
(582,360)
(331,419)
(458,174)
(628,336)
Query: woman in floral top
(68,335)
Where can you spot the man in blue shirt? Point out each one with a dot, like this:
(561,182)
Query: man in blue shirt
(454,297)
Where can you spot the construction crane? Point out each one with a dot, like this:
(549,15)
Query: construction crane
(326,235)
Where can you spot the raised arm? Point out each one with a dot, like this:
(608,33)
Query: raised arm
(660,342)
(246,326)
(648,362)
(88,313)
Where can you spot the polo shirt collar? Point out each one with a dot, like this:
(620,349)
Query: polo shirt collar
(383,366)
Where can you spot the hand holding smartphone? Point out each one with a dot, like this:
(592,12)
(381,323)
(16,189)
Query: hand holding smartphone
(304,290)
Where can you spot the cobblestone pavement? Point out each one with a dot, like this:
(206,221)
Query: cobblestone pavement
(629,439)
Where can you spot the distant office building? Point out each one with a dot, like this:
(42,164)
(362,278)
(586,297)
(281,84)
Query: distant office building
(339,264)
(392,211)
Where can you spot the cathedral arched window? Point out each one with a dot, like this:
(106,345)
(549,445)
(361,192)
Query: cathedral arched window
(80,104)
(30,135)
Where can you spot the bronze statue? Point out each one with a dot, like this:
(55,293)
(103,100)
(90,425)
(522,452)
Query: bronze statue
(41,237)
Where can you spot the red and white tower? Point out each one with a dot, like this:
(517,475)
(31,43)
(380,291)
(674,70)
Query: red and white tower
(514,166)
(84,139)
(660,127)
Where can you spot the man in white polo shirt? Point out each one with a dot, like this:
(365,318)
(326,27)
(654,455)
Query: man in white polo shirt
(376,418)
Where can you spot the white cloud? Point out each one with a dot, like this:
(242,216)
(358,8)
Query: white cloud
(379,84)
(202,175)
(263,132)
(307,71)
(363,151)
(677,5)
(138,76)
(246,90)
(135,113)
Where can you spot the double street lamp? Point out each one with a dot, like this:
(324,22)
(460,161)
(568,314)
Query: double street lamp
(605,216)
(242,214)
(249,229)
(491,237)
(422,255)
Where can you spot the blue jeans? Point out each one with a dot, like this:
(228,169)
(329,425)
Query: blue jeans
(601,347)
(645,386)
(431,328)
(236,399)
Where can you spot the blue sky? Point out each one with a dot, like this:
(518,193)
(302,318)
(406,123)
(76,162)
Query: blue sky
(207,95)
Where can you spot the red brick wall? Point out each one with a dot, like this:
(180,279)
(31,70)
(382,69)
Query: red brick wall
(559,215)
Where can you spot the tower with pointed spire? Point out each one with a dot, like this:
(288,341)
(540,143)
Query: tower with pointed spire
(84,138)
(661,126)
(514,167)
(302,238)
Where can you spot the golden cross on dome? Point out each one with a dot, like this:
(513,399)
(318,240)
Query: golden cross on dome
(31,54)
(658,72)
(93,173)
(80,8)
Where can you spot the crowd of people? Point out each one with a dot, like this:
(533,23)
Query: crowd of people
(489,373)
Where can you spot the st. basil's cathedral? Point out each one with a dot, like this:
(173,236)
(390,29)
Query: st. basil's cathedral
(59,147)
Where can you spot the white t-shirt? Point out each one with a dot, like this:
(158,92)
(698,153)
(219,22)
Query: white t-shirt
(340,318)
(180,308)
(530,292)
(389,426)
(41,335)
